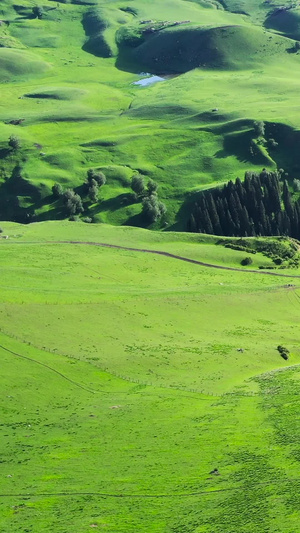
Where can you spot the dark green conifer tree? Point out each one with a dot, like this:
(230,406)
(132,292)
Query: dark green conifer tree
(245,222)
(214,217)
(208,224)
(192,226)
(233,209)
(262,219)
(274,194)
(287,200)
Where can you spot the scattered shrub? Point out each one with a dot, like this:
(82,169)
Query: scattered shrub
(153,209)
(281,250)
(259,128)
(14,142)
(138,185)
(246,261)
(95,180)
(72,202)
(152,187)
(93,191)
(97,176)
(296,185)
(57,190)
(239,247)
(38,12)
(273,143)
(284,352)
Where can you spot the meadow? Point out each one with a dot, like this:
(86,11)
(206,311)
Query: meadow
(141,392)
(69,76)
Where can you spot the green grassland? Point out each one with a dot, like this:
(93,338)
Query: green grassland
(69,78)
(141,391)
(123,387)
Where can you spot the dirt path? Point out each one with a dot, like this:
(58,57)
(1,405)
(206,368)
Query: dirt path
(179,257)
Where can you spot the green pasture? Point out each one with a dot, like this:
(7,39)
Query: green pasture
(69,78)
(123,387)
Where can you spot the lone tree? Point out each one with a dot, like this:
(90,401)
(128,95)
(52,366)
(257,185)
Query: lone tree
(259,128)
(246,261)
(72,202)
(38,12)
(57,190)
(284,352)
(14,142)
(138,185)
(97,176)
(93,191)
(153,209)
(152,187)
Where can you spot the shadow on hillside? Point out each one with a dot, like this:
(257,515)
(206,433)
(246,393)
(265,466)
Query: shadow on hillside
(56,213)
(113,204)
(286,153)
(4,152)
(126,64)
(94,27)
(18,185)
(136,221)
(184,212)
(240,145)
(18,198)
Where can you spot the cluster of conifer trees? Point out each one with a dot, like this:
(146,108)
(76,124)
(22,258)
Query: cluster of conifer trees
(260,205)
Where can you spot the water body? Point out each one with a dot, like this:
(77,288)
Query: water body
(150,80)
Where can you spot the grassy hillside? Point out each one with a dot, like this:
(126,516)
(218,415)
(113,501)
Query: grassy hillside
(285,21)
(141,392)
(68,95)
(225,47)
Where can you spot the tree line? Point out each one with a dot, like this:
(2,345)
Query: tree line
(260,205)
(152,208)
(73,201)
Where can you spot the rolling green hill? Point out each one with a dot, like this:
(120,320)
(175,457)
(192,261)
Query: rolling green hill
(225,47)
(15,64)
(285,21)
(68,94)
(149,379)
(142,392)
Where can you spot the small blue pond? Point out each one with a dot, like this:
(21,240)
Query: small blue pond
(150,80)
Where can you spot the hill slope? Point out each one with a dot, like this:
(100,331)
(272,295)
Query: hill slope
(69,97)
(141,392)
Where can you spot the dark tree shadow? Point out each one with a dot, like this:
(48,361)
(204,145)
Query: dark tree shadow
(4,152)
(113,204)
(136,221)
(184,212)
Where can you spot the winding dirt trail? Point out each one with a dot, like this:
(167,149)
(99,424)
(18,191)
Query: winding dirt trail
(178,257)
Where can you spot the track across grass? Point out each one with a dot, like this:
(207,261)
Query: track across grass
(172,256)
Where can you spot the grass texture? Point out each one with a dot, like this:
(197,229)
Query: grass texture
(123,387)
